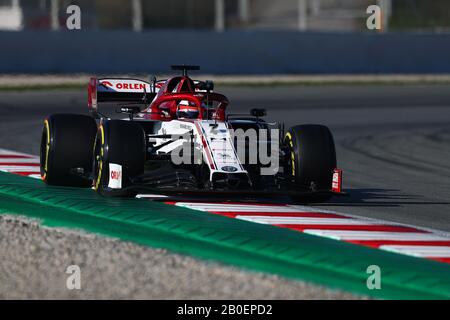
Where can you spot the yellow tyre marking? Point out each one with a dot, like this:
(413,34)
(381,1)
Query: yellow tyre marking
(288,136)
(293,163)
(47,149)
(100,163)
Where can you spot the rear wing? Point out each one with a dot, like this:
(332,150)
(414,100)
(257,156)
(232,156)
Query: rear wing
(117,90)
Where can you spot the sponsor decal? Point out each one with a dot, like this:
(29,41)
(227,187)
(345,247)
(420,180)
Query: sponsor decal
(185,126)
(115,176)
(106,83)
(130,86)
(224,156)
(336,185)
(125,86)
(229,169)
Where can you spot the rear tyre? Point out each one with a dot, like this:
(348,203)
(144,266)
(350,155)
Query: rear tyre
(66,150)
(119,153)
(311,160)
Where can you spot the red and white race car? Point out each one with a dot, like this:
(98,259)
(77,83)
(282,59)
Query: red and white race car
(177,138)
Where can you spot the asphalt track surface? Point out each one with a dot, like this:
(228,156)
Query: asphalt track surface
(392,143)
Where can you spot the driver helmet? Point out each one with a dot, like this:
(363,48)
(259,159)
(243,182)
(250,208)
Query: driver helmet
(186,111)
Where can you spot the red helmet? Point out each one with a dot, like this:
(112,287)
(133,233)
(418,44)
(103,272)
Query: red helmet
(184,110)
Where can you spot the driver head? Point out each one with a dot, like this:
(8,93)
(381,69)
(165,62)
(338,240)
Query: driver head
(185,111)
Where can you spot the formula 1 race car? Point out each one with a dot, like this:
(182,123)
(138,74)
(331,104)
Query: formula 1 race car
(174,137)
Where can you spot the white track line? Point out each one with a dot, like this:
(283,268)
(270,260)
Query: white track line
(12,153)
(419,251)
(301,220)
(375,235)
(19,160)
(241,208)
(399,224)
(20,168)
(16,162)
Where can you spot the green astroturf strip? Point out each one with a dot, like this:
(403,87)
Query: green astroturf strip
(252,246)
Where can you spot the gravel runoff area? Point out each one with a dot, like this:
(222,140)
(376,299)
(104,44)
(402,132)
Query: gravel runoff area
(34,259)
(23,81)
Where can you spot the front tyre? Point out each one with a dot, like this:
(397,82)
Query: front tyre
(310,161)
(66,150)
(119,157)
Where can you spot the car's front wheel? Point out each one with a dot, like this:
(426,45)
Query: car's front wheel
(119,157)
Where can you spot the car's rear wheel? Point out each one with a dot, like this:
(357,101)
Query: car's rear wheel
(310,161)
(119,157)
(66,150)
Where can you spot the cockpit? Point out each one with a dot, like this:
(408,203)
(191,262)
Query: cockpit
(183,98)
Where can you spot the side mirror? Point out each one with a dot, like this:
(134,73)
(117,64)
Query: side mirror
(209,85)
(258,112)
